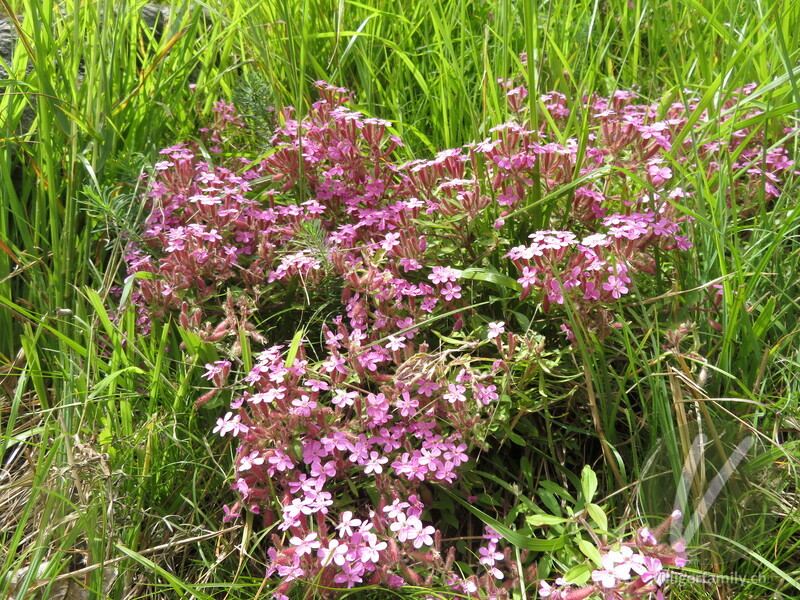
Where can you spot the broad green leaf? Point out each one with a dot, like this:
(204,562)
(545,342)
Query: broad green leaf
(515,437)
(588,483)
(578,575)
(549,500)
(498,279)
(558,491)
(590,551)
(598,516)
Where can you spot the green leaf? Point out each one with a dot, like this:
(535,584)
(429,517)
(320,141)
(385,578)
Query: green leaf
(539,520)
(105,437)
(763,321)
(515,437)
(511,487)
(578,575)
(515,538)
(526,469)
(126,416)
(36,319)
(292,354)
(111,378)
(450,340)
(771,566)
(501,281)
(549,500)
(102,314)
(191,340)
(588,483)
(598,516)
(247,351)
(178,585)
(556,489)
(128,286)
(522,320)
(590,551)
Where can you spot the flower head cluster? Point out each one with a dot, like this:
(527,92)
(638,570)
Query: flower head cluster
(336,443)
(317,448)
(595,271)
(335,167)
(631,570)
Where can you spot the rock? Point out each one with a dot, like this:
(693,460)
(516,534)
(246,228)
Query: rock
(8,38)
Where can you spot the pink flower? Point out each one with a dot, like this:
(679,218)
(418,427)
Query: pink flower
(445,472)
(373,464)
(351,574)
(391,240)
(302,406)
(489,555)
(280,460)
(290,572)
(616,567)
(455,393)
(370,552)
(307,544)
(427,387)
(347,523)
(322,471)
(528,278)
(485,394)
(336,553)
(407,405)
(395,343)
(252,459)
(451,292)
(218,370)
(456,454)
(395,509)
(230,423)
(343,398)
(616,286)
(443,275)
(411,529)
(495,329)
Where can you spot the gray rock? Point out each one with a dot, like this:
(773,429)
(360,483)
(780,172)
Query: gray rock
(155,17)
(8,39)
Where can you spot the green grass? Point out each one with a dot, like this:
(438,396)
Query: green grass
(106,460)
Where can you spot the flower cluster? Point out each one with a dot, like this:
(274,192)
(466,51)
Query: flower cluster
(340,440)
(207,231)
(623,215)
(595,271)
(631,570)
(340,467)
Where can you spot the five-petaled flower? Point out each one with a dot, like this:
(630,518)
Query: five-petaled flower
(495,329)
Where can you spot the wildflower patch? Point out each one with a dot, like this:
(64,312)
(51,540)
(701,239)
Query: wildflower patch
(345,439)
